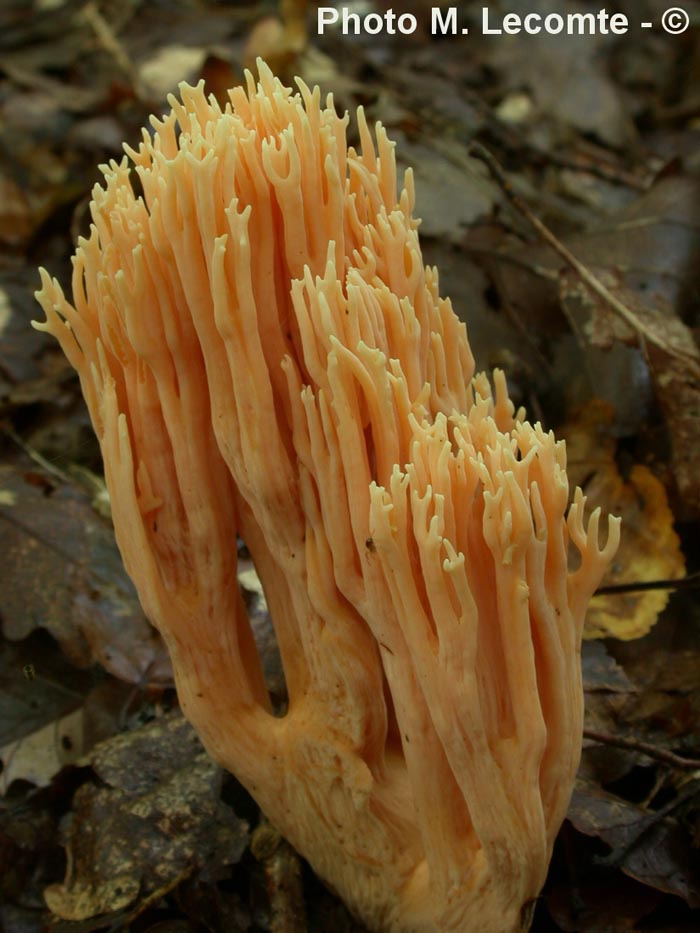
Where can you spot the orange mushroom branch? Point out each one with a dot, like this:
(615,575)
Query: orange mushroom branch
(264,354)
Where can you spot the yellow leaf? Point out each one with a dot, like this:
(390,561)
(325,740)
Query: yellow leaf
(650,548)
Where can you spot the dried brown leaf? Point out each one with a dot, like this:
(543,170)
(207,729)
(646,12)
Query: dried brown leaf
(63,573)
(650,849)
(154,818)
(677,384)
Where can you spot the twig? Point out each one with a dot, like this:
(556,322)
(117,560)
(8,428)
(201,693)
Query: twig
(690,582)
(34,454)
(592,281)
(616,859)
(108,40)
(644,748)
(580,163)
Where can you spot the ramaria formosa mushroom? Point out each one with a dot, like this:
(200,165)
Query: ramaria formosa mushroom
(264,354)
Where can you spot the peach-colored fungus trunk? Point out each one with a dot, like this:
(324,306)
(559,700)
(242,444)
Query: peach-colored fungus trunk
(263,353)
